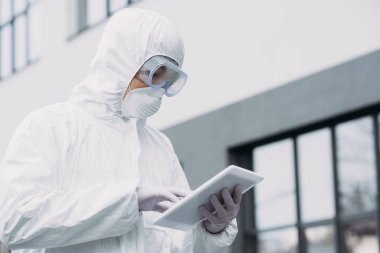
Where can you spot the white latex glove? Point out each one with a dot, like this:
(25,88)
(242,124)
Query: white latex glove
(221,218)
(158,199)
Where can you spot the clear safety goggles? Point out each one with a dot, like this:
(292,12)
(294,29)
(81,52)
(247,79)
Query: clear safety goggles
(162,72)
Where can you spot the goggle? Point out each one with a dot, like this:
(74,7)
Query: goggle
(162,72)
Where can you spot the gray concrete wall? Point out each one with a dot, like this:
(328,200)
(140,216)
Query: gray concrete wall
(202,143)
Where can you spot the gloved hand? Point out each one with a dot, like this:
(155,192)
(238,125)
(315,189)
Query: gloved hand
(159,199)
(221,218)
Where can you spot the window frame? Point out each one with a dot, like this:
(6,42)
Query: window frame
(11,23)
(81,12)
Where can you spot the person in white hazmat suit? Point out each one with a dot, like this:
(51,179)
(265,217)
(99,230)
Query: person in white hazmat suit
(89,175)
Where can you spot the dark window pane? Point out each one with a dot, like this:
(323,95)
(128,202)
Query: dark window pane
(361,237)
(320,239)
(356,166)
(316,175)
(279,241)
(20,41)
(275,197)
(6,56)
(117,4)
(96,11)
(5,11)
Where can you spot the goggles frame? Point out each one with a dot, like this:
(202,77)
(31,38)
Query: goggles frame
(147,71)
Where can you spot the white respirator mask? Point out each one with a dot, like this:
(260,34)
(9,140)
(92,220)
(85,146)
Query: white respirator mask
(142,103)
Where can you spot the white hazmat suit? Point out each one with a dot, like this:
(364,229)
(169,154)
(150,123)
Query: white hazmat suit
(69,176)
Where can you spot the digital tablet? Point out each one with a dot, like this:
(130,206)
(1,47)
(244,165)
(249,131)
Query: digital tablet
(184,215)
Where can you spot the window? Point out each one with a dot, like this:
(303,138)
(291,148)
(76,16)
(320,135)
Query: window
(89,13)
(283,240)
(361,237)
(275,199)
(315,169)
(19,35)
(356,166)
(320,239)
(96,11)
(320,192)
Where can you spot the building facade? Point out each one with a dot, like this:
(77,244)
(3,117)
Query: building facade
(316,142)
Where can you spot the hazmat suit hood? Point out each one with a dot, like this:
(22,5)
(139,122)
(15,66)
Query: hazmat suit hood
(130,37)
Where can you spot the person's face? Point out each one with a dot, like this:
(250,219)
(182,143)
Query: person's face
(135,83)
(138,83)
